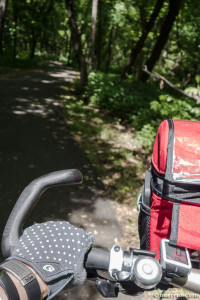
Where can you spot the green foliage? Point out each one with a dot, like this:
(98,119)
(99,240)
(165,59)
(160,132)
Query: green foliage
(197,79)
(38,26)
(145,137)
(122,98)
(145,106)
(164,107)
(181,59)
(41,27)
(25,62)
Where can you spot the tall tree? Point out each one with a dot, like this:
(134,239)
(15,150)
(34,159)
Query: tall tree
(94,26)
(174,7)
(15,21)
(139,45)
(76,39)
(109,50)
(3,6)
(99,35)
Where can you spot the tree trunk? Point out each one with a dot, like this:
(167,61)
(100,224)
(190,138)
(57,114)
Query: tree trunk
(109,49)
(76,39)
(32,46)
(174,7)
(93,35)
(138,47)
(143,19)
(3,6)
(99,36)
(140,59)
(69,50)
(15,20)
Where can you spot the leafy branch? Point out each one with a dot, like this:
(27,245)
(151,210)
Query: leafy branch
(160,77)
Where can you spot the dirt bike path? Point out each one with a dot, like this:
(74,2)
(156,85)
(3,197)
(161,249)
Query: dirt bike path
(35,140)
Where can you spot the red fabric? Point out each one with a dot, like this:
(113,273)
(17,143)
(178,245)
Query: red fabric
(159,155)
(189,226)
(160,227)
(186,154)
(186,165)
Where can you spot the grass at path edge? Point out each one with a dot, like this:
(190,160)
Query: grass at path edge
(109,147)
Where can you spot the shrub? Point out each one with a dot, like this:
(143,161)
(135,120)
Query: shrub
(144,105)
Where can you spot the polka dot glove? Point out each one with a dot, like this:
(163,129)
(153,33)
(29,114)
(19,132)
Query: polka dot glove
(56,251)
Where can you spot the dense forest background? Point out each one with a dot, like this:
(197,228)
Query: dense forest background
(138,59)
(139,64)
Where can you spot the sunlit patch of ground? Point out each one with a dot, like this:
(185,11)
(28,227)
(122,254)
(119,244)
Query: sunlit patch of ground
(109,147)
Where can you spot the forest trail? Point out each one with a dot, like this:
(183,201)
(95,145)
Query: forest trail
(35,140)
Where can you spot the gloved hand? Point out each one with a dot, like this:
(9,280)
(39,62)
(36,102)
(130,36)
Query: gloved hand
(56,251)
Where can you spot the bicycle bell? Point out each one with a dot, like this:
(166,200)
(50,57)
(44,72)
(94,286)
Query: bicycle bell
(147,272)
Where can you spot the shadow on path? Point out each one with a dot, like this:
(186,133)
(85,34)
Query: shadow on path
(34,140)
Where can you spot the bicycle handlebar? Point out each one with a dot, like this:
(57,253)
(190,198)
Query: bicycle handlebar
(117,262)
(99,259)
(27,201)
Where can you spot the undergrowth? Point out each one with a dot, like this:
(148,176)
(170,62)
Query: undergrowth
(143,105)
(109,147)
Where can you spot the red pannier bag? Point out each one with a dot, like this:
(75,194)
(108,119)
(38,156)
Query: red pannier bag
(170,200)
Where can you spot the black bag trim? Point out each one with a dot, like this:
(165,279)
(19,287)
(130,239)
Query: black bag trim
(170,145)
(174,224)
(174,191)
(146,190)
(145,213)
(144,226)
(146,209)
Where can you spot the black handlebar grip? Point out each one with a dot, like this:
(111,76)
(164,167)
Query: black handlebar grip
(97,259)
(27,201)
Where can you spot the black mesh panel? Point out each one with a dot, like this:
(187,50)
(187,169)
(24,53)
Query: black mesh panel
(144,228)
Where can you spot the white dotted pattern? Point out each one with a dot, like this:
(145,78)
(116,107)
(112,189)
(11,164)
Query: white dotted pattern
(48,242)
